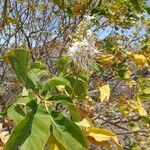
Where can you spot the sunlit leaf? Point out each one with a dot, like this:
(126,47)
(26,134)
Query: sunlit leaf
(75,115)
(62,63)
(139,59)
(23,129)
(101,135)
(54,82)
(79,85)
(40,130)
(85,123)
(104,93)
(39,124)
(67,132)
(142,111)
(137,107)
(18,59)
(24,92)
(53,144)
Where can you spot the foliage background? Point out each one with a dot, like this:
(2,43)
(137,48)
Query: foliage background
(121,27)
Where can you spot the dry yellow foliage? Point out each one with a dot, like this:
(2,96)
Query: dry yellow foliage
(138,107)
(139,59)
(106,59)
(98,136)
(104,93)
(102,136)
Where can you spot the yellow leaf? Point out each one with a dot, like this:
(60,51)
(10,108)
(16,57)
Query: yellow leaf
(106,59)
(142,111)
(131,83)
(104,93)
(137,107)
(147,22)
(146,91)
(53,144)
(25,92)
(133,105)
(139,59)
(127,74)
(85,123)
(139,101)
(101,135)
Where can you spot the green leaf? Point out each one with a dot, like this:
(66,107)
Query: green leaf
(23,129)
(36,72)
(59,97)
(34,78)
(18,59)
(38,65)
(136,5)
(124,74)
(19,110)
(96,22)
(148,10)
(75,114)
(134,126)
(40,131)
(37,129)
(135,147)
(144,88)
(62,63)
(53,82)
(58,2)
(146,119)
(11,113)
(13,110)
(79,85)
(53,144)
(67,132)
(68,10)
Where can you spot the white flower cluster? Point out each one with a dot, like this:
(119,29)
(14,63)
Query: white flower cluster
(83,50)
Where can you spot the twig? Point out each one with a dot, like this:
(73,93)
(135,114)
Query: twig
(131,132)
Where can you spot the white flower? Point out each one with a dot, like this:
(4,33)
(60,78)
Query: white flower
(83,52)
(89,18)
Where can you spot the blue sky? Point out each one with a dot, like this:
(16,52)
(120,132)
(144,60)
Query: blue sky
(128,32)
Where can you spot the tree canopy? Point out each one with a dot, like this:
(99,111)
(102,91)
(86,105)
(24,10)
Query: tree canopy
(74,74)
